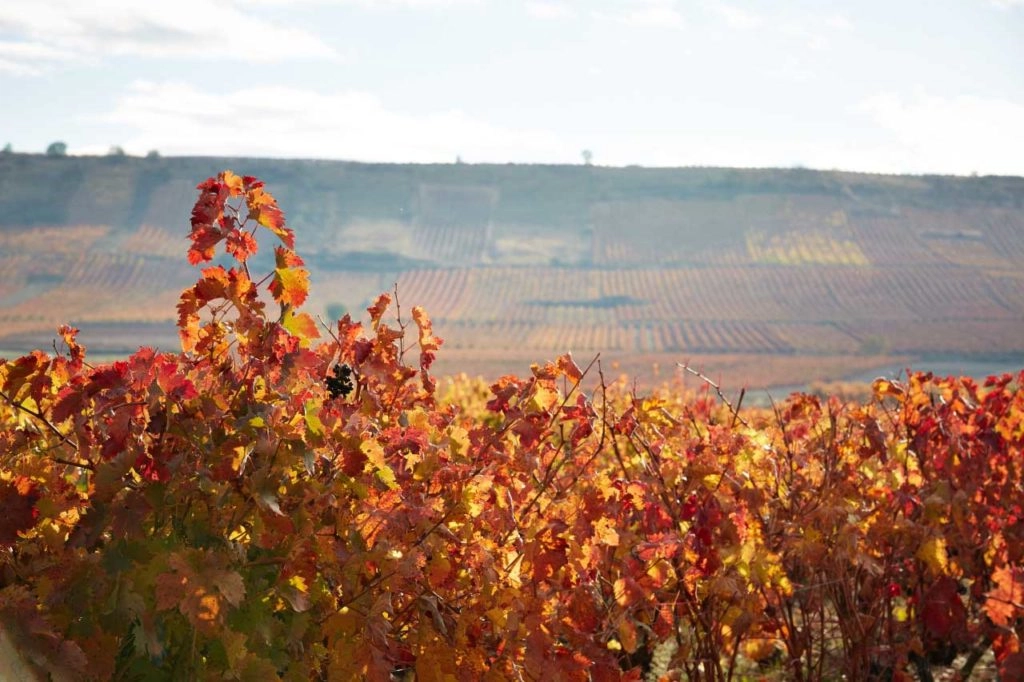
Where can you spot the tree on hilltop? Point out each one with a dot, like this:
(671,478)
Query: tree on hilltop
(57,149)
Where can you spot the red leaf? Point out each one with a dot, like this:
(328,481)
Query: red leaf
(943,613)
(206,215)
(17,508)
(569,367)
(77,352)
(241,244)
(1012,668)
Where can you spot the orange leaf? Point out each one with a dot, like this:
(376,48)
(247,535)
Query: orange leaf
(300,325)
(377,309)
(290,284)
(1006,599)
(628,635)
(233,182)
(569,367)
(626,592)
(263,207)
(188,320)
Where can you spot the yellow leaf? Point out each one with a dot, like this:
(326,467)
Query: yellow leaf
(605,533)
(544,399)
(232,182)
(458,440)
(259,388)
(300,325)
(299,583)
(312,416)
(375,463)
(477,493)
(290,285)
(933,554)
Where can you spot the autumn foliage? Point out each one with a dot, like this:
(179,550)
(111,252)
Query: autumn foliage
(272,503)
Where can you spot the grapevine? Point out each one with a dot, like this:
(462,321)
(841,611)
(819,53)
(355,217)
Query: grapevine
(266,503)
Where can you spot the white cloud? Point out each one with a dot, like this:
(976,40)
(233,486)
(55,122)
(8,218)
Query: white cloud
(838,22)
(816,33)
(952,134)
(736,17)
(30,58)
(549,10)
(19,68)
(45,32)
(1007,4)
(372,4)
(813,31)
(645,14)
(178,119)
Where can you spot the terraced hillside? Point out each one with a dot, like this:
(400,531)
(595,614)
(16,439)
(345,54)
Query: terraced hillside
(765,277)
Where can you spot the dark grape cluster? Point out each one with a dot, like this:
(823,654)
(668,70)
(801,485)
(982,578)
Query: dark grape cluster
(341,383)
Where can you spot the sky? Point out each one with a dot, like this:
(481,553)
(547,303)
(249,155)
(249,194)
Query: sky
(887,86)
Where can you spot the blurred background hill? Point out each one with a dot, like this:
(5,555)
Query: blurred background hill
(758,277)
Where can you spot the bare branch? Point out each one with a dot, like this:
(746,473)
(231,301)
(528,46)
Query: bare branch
(721,396)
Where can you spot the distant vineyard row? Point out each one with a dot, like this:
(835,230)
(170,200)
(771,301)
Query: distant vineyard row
(712,310)
(465,227)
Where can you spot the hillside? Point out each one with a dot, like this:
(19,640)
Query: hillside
(766,277)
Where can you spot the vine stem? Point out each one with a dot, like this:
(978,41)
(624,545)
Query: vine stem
(721,396)
(50,425)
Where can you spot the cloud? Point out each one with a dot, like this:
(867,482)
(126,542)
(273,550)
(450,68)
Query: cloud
(372,4)
(49,32)
(645,14)
(736,17)
(952,134)
(814,32)
(1007,4)
(179,119)
(838,22)
(549,10)
(30,58)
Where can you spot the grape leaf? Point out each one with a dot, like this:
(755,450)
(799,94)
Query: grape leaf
(241,244)
(206,214)
(300,325)
(263,207)
(17,509)
(1006,600)
(290,284)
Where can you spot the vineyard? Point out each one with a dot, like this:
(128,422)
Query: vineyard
(282,499)
(791,269)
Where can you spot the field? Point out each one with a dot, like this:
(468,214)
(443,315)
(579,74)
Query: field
(768,278)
